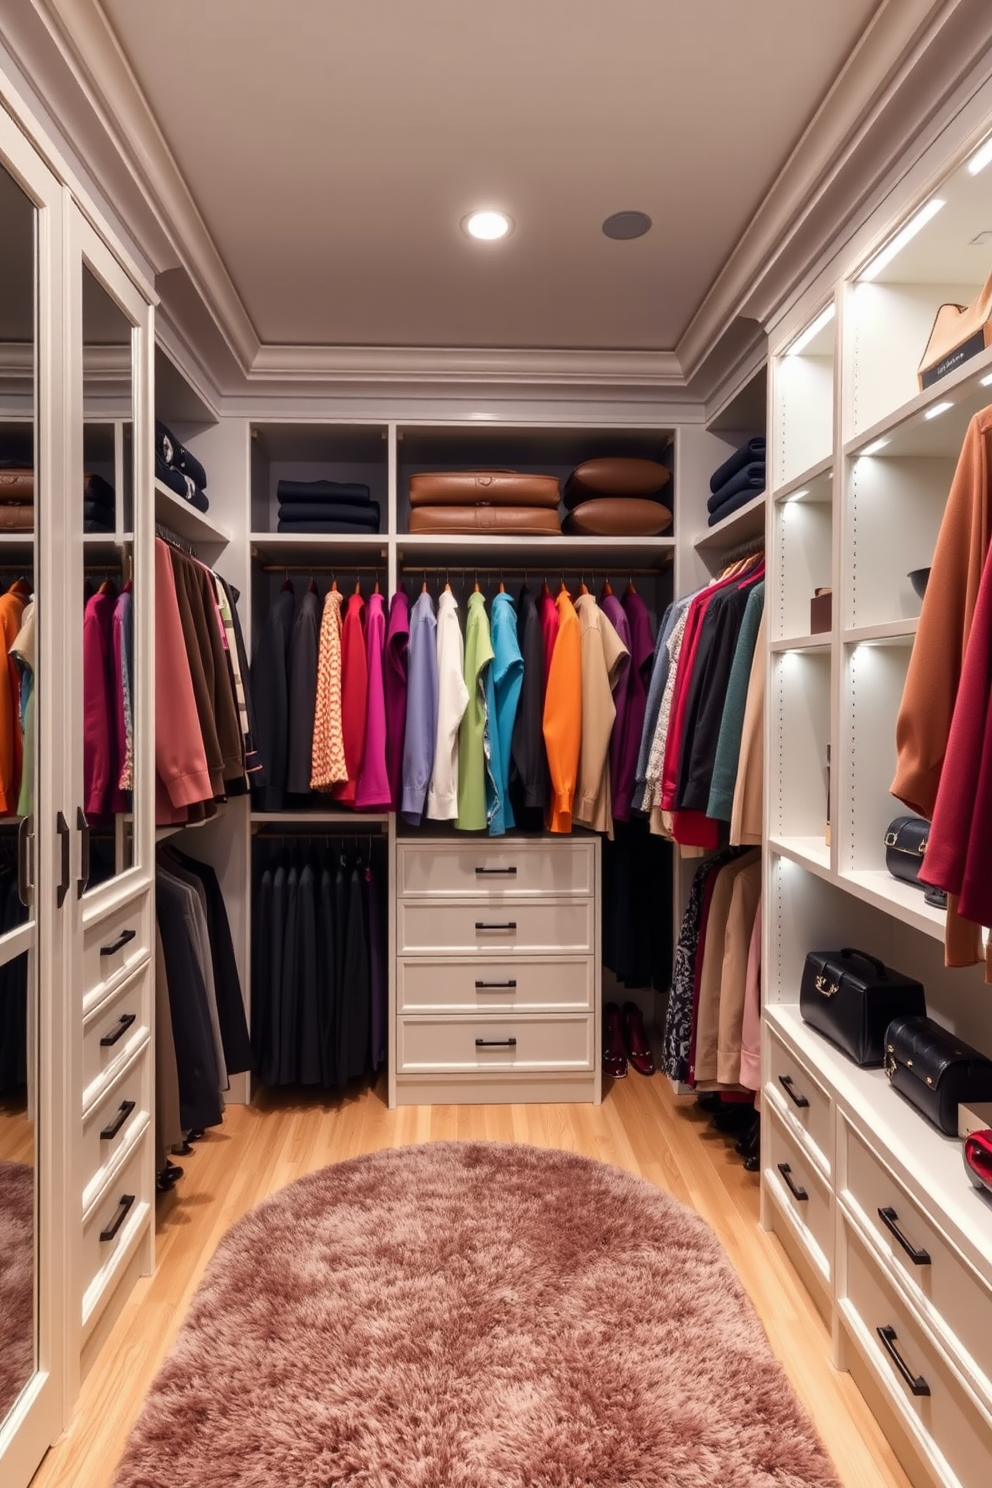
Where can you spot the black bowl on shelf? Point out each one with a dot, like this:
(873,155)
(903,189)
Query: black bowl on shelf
(918,578)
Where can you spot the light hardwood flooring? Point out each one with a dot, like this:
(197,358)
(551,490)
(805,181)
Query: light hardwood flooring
(641,1126)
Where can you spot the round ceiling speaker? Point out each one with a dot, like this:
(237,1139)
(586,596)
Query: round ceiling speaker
(625,225)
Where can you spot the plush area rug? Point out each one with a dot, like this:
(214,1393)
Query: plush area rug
(471,1316)
(16,1281)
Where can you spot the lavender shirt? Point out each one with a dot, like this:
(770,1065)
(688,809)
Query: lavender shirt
(421,711)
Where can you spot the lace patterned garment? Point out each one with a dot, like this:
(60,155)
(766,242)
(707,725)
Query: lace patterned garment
(656,759)
(328,762)
(677,1048)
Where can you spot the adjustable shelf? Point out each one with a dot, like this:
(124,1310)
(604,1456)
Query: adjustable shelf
(185,520)
(747,521)
(539,553)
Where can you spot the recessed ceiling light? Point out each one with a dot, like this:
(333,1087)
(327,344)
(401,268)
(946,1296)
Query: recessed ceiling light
(898,243)
(488,226)
(981,158)
(624,225)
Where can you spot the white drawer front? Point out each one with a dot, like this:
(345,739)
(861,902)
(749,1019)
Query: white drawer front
(470,984)
(113,1225)
(789,1083)
(434,869)
(115,946)
(800,1190)
(945,1421)
(527,1043)
(492,929)
(947,1289)
(112,1030)
(109,1125)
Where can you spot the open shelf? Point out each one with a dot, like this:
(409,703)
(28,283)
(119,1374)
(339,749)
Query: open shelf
(894,510)
(803,416)
(809,852)
(748,521)
(896,633)
(185,520)
(812,484)
(908,431)
(599,553)
(318,818)
(322,547)
(878,888)
(821,642)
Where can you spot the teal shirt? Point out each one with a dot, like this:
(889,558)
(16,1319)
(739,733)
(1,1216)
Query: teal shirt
(728,748)
(503,684)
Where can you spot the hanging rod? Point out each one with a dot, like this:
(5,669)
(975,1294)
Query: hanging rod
(329,568)
(527,569)
(331,830)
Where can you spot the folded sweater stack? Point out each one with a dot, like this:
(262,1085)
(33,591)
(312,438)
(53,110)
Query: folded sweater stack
(176,468)
(98,504)
(738,480)
(617,497)
(326,506)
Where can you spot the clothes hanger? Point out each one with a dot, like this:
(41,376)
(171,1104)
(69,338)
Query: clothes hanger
(607,589)
(312,586)
(447,582)
(630,586)
(358,585)
(287,583)
(334,584)
(582,584)
(502,586)
(476,589)
(423,587)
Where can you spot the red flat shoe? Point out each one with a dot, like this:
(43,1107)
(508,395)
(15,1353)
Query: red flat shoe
(638,1047)
(614,1058)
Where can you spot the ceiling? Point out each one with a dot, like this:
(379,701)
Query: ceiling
(332,150)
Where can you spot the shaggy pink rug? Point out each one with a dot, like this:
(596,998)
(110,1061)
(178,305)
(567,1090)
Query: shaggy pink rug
(471,1316)
(16,1281)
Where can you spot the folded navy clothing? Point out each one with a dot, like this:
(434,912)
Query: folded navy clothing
(751,478)
(330,524)
(181,485)
(98,524)
(98,491)
(750,451)
(177,456)
(732,504)
(326,511)
(95,511)
(323,491)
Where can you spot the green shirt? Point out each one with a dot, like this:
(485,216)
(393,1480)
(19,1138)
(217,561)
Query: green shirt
(472,732)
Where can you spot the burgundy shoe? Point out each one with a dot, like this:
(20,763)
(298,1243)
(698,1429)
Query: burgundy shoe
(614,1058)
(636,1041)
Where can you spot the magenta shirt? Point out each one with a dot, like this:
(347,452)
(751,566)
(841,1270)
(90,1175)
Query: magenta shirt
(617,616)
(373,780)
(395,680)
(641,662)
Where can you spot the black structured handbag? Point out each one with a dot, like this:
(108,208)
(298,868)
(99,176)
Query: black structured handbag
(851,998)
(905,844)
(935,1070)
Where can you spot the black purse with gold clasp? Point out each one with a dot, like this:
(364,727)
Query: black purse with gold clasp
(851,998)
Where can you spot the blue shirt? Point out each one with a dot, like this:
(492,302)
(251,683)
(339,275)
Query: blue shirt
(503,683)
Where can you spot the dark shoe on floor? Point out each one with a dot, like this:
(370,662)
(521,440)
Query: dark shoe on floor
(750,1137)
(614,1058)
(734,1118)
(636,1041)
(752,1162)
(709,1100)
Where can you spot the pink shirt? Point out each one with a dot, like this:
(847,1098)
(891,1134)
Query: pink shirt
(373,793)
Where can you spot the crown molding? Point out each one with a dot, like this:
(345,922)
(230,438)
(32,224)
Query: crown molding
(95,56)
(882,75)
(493,366)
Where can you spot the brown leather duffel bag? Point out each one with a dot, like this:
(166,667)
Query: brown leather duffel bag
(617,476)
(17,485)
(485,487)
(617,516)
(501,520)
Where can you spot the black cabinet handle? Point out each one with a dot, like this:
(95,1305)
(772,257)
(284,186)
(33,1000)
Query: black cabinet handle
(25,836)
(65,836)
(917,1384)
(110,1132)
(125,937)
(109,1039)
(494,986)
(797,1193)
(123,1210)
(509,1043)
(83,828)
(510,872)
(495,924)
(888,1217)
(787,1085)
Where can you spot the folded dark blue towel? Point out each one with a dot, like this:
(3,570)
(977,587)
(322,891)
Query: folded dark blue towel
(752,450)
(99,492)
(751,478)
(328,511)
(177,482)
(330,524)
(98,524)
(732,504)
(323,491)
(177,456)
(95,511)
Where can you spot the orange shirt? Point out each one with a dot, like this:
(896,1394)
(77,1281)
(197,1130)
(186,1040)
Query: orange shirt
(11,747)
(563,716)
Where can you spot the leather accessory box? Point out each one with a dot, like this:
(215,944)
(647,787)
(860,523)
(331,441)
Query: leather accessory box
(483,487)
(852,998)
(617,516)
(16,486)
(905,844)
(978,1159)
(532,520)
(935,1070)
(616,476)
(821,611)
(959,333)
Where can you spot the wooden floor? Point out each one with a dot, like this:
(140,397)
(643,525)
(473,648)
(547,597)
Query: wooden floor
(641,1127)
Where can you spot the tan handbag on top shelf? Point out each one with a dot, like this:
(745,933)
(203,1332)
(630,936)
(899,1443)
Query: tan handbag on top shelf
(959,333)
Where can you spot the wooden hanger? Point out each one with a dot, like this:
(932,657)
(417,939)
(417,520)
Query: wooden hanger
(630,587)
(582,586)
(607,589)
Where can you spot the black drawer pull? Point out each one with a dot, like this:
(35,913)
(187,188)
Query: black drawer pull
(495,924)
(916,1382)
(109,1039)
(509,1043)
(119,944)
(888,1217)
(797,1100)
(512,872)
(109,1132)
(509,986)
(797,1193)
(123,1210)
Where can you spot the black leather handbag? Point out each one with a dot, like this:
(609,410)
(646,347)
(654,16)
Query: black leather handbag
(905,844)
(935,1070)
(851,998)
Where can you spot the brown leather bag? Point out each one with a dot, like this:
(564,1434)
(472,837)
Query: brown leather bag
(617,516)
(959,332)
(16,485)
(483,487)
(500,520)
(616,476)
(16,518)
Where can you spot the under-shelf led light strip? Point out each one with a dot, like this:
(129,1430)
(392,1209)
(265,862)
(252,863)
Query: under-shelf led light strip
(812,331)
(895,245)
